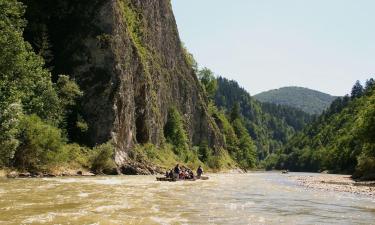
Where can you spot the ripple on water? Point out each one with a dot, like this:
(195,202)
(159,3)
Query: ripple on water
(224,199)
(48,218)
(44,218)
(83,195)
(168,220)
(110,208)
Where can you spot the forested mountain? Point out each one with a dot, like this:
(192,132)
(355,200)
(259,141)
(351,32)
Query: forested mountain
(307,100)
(269,125)
(341,140)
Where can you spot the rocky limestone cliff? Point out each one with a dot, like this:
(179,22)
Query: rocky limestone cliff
(128,59)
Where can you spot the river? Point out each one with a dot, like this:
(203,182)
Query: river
(254,198)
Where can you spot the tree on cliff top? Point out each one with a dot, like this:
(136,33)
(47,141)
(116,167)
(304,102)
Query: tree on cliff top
(208,80)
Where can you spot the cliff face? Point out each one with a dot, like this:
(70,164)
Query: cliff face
(127,57)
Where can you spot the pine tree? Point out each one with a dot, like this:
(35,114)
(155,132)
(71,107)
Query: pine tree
(174,131)
(235,112)
(369,84)
(357,90)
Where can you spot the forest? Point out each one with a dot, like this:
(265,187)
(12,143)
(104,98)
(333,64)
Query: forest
(341,140)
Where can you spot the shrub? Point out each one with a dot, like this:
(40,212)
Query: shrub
(76,156)
(270,162)
(220,161)
(40,145)
(366,163)
(102,159)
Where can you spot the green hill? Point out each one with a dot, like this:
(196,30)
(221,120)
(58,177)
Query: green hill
(310,101)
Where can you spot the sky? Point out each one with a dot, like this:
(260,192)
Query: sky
(324,45)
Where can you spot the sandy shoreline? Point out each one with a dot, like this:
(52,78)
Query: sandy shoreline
(338,183)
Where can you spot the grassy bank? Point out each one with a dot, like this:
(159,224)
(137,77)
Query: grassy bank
(166,157)
(74,160)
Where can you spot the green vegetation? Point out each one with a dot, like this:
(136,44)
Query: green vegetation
(307,100)
(239,144)
(208,81)
(174,131)
(293,117)
(269,125)
(341,140)
(136,28)
(23,79)
(102,159)
(40,145)
(35,112)
(26,87)
(178,144)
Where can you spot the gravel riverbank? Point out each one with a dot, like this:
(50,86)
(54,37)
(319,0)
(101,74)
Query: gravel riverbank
(333,182)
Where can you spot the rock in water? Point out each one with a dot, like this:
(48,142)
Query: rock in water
(128,59)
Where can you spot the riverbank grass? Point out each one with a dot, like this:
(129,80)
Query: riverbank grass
(166,158)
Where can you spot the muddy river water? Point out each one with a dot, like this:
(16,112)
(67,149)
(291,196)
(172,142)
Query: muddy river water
(254,198)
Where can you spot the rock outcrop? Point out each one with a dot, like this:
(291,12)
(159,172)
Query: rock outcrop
(128,59)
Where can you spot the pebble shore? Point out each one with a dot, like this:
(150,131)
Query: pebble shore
(338,183)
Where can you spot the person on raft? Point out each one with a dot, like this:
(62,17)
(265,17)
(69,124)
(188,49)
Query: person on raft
(169,174)
(199,171)
(176,171)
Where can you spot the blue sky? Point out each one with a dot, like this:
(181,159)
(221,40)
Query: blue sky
(265,44)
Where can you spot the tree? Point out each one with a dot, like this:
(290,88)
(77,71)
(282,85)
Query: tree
(235,112)
(25,86)
(22,77)
(69,92)
(9,130)
(366,122)
(208,80)
(246,154)
(369,84)
(203,151)
(190,59)
(357,90)
(42,43)
(174,131)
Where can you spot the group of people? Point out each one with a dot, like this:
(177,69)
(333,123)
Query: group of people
(183,173)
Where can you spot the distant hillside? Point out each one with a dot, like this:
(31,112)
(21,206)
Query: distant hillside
(269,125)
(310,101)
(340,140)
